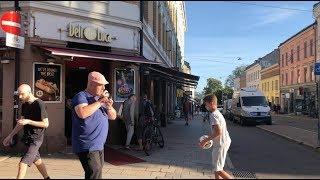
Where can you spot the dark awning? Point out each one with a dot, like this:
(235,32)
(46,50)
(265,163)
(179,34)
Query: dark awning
(175,75)
(97,55)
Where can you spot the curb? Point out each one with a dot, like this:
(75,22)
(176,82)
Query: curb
(291,139)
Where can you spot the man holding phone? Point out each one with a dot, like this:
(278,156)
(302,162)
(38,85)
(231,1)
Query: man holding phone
(91,110)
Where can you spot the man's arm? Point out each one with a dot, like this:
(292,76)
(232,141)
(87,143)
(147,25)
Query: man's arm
(84,110)
(42,124)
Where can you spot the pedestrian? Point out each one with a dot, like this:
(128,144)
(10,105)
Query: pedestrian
(146,114)
(129,106)
(92,108)
(187,111)
(34,121)
(220,137)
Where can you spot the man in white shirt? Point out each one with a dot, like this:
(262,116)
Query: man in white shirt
(220,137)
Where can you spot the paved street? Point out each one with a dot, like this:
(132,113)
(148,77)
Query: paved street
(271,156)
(253,151)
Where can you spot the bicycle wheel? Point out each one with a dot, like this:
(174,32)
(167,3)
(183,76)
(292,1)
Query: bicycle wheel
(158,137)
(147,140)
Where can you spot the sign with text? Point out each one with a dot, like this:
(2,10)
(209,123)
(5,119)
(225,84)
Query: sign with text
(14,41)
(124,87)
(47,82)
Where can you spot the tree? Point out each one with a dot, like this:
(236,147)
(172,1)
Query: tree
(213,85)
(239,71)
(228,92)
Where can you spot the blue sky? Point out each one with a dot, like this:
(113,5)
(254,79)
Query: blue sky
(222,31)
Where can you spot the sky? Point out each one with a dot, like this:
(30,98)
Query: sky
(218,32)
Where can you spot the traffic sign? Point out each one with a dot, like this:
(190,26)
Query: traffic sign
(14,41)
(317,68)
(10,22)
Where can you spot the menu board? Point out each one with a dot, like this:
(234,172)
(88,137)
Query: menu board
(47,82)
(124,87)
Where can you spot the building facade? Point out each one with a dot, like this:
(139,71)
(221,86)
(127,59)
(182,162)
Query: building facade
(297,58)
(116,38)
(253,77)
(270,77)
(243,81)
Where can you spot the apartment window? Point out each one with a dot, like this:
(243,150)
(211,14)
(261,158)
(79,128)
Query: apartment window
(286,59)
(311,74)
(276,85)
(311,47)
(291,77)
(272,84)
(291,56)
(305,74)
(305,49)
(282,60)
(282,79)
(298,53)
(268,86)
(286,78)
(298,74)
(154,18)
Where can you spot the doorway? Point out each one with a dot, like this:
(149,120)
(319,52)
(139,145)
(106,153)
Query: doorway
(76,80)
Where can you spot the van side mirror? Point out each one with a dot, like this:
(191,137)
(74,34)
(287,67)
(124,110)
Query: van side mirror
(238,105)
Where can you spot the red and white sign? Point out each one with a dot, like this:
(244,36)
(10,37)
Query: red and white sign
(10,22)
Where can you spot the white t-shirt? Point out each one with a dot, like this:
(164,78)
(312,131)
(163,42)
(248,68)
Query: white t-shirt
(217,118)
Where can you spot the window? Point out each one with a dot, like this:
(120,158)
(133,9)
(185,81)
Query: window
(286,78)
(291,56)
(292,77)
(254,101)
(305,49)
(298,53)
(272,84)
(154,18)
(286,59)
(311,74)
(282,79)
(305,74)
(277,85)
(268,86)
(298,74)
(311,47)
(282,60)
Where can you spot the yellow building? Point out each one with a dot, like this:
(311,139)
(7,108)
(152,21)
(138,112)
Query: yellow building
(270,83)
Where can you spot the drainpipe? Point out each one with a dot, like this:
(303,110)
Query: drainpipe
(17,79)
(141,30)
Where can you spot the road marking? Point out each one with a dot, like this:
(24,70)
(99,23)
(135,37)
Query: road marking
(229,162)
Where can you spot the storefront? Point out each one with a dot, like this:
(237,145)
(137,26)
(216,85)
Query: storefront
(55,62)
(299,100)
(164,83)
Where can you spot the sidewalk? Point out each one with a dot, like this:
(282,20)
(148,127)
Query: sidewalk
(300,129)
(181,158)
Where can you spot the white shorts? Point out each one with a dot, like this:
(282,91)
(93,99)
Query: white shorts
(219,155)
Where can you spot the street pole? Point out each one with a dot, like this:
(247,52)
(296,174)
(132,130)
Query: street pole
(16,83)
(318,107)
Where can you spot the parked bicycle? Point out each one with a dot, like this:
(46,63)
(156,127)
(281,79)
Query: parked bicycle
(152,136)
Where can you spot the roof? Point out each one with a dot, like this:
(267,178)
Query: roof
(253,64)
(314,23)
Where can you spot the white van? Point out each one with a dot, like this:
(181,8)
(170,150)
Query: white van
(249,105)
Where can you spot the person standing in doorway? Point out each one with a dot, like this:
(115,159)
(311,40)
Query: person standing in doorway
(128,115)
(220,137)
(92,108)
(34,121)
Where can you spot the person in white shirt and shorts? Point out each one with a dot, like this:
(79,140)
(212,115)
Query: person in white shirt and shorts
(220,137)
